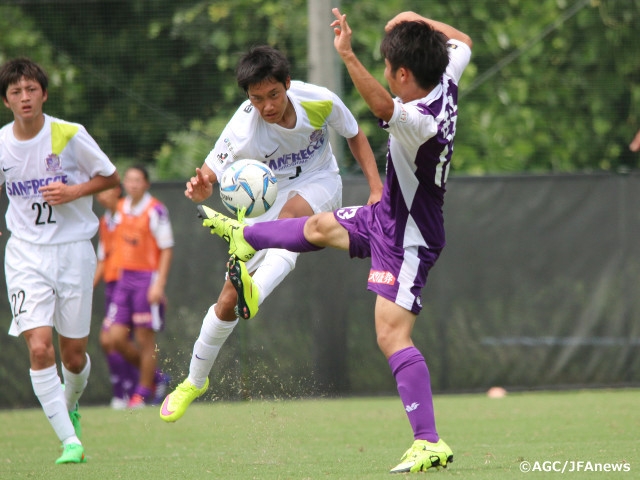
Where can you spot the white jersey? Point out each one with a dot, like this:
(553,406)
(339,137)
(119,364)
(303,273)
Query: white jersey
(64,152)
(290,153)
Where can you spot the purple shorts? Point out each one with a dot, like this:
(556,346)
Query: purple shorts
(129,305)
(109,287)
(397,273)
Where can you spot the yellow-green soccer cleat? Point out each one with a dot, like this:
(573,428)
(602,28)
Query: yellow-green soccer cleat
(176,403)
(229,230)
(72,453)
(247,291)
(74,415)
(423,455)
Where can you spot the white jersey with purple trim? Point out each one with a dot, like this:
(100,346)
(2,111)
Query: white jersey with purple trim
(64,152)
(288,152)
(421,136)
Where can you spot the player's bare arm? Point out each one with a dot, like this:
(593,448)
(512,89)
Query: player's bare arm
(200,186)
(361,150)
(58,193)
(377,97)
(156,292)
(448,30)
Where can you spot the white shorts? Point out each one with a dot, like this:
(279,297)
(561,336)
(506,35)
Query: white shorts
(322,190)
(50,286)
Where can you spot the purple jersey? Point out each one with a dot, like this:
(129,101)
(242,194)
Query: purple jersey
(404,233)
(418,159)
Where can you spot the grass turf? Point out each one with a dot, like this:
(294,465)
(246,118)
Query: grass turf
(351,438)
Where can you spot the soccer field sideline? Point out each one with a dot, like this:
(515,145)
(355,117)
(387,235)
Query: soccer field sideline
(338,438)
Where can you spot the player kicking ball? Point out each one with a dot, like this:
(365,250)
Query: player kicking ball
(403,234)
(285,124)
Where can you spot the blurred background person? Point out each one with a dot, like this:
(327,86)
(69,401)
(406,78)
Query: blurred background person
(144,244)
(122,374)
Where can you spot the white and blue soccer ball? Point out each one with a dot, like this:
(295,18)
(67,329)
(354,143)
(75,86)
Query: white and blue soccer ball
(248,184)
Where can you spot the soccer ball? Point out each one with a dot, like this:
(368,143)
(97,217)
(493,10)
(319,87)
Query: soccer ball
(248,183)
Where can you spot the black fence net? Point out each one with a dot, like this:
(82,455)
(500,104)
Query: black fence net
(537,288)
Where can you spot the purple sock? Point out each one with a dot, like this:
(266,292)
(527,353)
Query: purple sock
(414,386)
(130,379)
(117,373)
(287,233)
(144,392)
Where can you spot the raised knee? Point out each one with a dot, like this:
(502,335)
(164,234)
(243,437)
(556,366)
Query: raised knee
(313,231)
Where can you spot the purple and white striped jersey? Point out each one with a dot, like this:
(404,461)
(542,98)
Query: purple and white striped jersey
(419,153)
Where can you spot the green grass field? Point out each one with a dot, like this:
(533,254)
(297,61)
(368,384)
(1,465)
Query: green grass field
(334,438)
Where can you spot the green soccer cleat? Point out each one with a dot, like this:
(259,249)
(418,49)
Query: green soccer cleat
(423,455)
(176,403)
(247,291)
(229,230)
(72,453)
(75,417)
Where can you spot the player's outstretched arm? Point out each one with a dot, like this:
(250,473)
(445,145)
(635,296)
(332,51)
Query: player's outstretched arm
(200,186)
(448,30)
(378,99)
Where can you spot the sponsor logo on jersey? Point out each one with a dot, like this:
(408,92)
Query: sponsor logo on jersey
(130,240)
(403,115)
(227,143)
(30,188)
(382,277)
(248,108)
(317,142)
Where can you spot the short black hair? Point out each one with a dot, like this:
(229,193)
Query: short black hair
(260,63)
(14,70)
(418,47)
(142,169)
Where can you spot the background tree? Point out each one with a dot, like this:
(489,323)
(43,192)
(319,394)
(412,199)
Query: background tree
(553,85)
(20,37)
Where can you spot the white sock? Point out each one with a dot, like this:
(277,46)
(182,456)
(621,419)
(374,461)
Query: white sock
(213,334)
(75,383)
(48,388)
(277,264)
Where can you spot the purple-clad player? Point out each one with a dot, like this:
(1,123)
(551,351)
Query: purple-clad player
(404,232)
